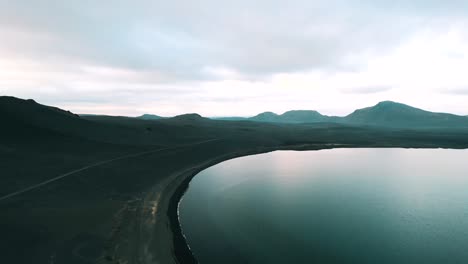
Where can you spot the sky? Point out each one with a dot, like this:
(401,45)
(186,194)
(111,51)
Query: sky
(235,58)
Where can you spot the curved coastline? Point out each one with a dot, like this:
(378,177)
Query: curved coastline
(159,236)
(182,253)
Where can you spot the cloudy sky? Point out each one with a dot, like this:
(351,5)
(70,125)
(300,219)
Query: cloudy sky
(221,58)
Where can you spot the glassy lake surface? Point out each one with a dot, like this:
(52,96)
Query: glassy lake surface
(331,206)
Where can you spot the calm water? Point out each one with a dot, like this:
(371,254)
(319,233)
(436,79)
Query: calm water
(331,206)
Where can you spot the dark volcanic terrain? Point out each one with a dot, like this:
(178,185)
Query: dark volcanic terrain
(98,189)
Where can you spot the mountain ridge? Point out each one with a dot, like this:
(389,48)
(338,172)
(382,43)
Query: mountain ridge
(394,114)
(292,116)
(384,114)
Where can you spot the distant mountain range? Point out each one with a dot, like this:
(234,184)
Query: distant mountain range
(384,114)
(392,114)
(295,116)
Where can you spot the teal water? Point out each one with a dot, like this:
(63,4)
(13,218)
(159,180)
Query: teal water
(331,206)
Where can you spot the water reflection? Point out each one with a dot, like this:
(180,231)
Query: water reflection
(331,206)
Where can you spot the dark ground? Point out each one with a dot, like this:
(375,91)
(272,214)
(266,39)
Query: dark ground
(81,218)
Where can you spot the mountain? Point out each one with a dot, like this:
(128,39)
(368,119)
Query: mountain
(294,116)
(149,117)
(34,117)
(28,119)
(185,119)
(14,106)
(384,114)
(189,117)
(266,117)
(392,114)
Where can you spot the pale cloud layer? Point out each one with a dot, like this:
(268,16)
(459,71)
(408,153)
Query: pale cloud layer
(241,57)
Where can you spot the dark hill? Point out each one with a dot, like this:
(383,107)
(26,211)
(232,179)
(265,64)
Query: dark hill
(266,117)
(392,114)
(29,109)
(150,117)
(188,122)
(19,117)
(15,111)
(384,114)
(189,117)
(294,116)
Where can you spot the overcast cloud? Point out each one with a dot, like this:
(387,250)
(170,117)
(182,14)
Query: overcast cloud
(234,58)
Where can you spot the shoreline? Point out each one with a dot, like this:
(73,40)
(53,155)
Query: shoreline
(181,250)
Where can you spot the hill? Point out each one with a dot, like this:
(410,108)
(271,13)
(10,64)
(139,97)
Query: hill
(392,114)
(294,116)
(384,114)
(27,118)
(266,117)
(149,117)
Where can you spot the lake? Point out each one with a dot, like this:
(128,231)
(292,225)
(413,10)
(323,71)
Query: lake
(331,206)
